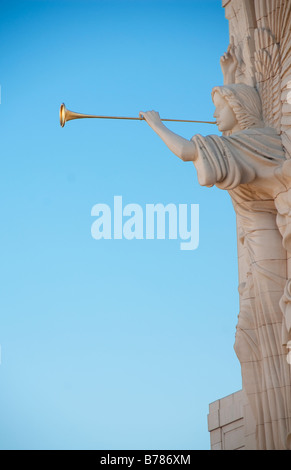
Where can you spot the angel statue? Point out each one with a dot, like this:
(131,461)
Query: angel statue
(247,161)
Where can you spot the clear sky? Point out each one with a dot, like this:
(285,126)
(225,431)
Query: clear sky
(109,344)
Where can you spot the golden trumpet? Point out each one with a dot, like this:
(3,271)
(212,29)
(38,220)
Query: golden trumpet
(67,115)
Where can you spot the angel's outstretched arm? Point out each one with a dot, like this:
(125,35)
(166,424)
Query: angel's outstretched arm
(184,149)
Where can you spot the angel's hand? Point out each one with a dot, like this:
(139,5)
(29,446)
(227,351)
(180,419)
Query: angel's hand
(152,118)
(229,64)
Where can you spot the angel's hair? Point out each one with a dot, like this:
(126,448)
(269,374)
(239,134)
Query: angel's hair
(245,103)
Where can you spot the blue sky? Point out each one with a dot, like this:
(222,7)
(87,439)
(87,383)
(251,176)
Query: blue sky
(109,344)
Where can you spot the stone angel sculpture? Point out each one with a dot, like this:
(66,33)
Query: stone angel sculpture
(250,161)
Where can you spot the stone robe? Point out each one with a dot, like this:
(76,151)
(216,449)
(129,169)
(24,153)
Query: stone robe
(245,164)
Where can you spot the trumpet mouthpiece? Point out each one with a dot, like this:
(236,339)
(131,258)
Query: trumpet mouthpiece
(62,115)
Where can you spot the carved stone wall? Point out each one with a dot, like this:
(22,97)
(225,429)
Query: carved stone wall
(231,424)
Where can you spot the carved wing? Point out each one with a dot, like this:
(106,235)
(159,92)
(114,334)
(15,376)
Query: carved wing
(261,31)
(273,64)
(268,77)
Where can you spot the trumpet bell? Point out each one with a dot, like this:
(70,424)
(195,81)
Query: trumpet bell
(67,115)
(62,115)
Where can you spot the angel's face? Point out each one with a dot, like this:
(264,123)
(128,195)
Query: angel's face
(225,118)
